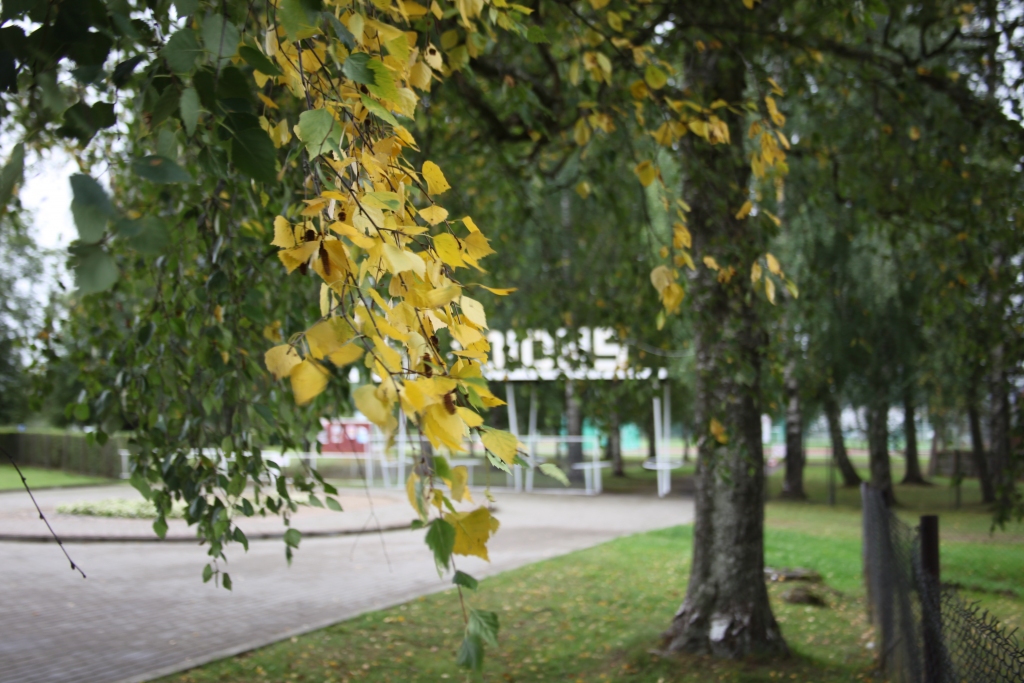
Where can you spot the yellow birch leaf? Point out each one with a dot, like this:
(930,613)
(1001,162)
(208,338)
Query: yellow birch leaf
(296,256)
(598,4)
(769,290)
(472,531)
(281,359)
(646,172)
(470,225)
(718,431)
(460,484)
(443,296)
(655,77)
(473,311)
(308,381)
(347,354)
(672,297)
(744,210)
(661,277)
(499,291)
(681,236)
(420,76)
(434,214)
(581,132)
(414,492)
(367,402)
(436,182)
(773,264)
(500,443)
(476,246)
(443,428)
(470,417)
(755,272)
(711,263)
(699,128)
(327,336)
(775,219)
(267,101)
(399,260)
(283,235)
(449,251)
(773,110)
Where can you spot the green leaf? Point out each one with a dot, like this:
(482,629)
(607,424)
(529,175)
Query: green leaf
(264,412)
(319,131)
(356,67)
(186,7)
(123,71)
(471,653)
(441,467)
(553,471)
(535,34)
(90,207)
(379,111)
(239,536)
(253,154)
(189,108)
(333,504)
(441,539)
(340,30)
(148,235)
(160,526)
(181,51)
(315,502)
(82,412)
(226,580)
(463,579)
(292,537)
(384,83)
(298,17)
(220,37)
(498,462)
(258,61)
(82,121)
(12,174)
(484,625)
(207,573)
(160,170)
(95,270)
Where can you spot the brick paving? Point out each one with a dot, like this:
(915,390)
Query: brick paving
(144,611)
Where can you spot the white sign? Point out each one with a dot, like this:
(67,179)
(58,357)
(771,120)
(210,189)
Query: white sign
(537,355)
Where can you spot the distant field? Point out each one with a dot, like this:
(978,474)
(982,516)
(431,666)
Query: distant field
(39,478)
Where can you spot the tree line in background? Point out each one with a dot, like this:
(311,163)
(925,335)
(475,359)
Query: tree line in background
(824,196)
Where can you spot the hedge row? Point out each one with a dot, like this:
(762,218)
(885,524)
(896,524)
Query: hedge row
(63,451)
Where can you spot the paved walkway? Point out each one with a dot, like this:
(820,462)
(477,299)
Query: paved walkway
(144,611)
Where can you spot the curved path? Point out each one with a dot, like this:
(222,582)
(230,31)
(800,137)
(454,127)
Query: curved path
(144,611)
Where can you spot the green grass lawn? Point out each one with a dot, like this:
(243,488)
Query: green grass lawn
(596,614)
(39,478)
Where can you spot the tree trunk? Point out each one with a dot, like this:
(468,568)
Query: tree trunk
(615,445)
(999,431)
(913,472)
(938,426)
(988,491)
(835,431)
(793,484)
(726,611)
(878,449)
(574,428)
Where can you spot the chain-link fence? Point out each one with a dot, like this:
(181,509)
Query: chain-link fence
(925,632)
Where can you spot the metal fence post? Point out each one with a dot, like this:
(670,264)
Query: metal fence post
(931,619)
